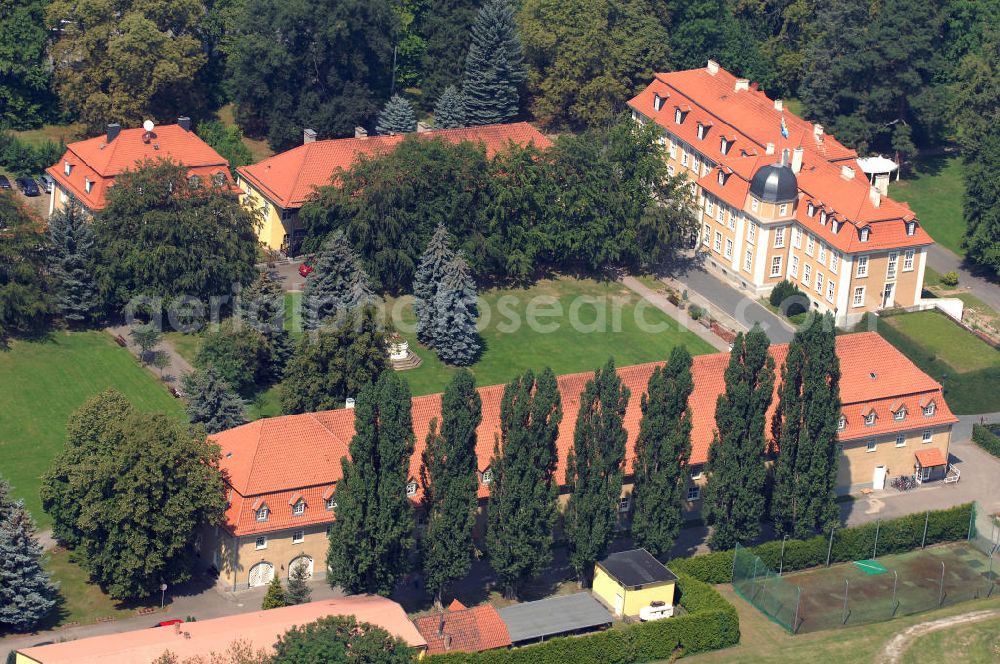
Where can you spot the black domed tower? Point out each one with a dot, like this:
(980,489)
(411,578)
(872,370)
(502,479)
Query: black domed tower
(775,183)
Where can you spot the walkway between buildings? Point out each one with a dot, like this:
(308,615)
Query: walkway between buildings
(681,316)
(944,260)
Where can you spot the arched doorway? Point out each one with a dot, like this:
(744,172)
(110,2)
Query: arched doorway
(301,560)
(261,574)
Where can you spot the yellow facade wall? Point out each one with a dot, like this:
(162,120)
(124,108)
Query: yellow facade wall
(272,231)
(608,591)
(24,659)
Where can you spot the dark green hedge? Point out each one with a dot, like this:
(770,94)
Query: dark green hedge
(710,624)
(986,439)
(856,543)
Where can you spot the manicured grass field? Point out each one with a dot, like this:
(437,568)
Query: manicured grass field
(975,643)
(42,383)
(764,642)
(935,194)
(946,341)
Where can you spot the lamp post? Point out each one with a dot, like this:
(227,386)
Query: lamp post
(781,562)
(163,593)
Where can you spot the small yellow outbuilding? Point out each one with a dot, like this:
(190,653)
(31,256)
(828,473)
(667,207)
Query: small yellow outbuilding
(630,581)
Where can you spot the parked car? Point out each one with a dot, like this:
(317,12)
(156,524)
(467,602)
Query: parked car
(46,182)
(306,267)
(4,182)
(168,623)
(27,186)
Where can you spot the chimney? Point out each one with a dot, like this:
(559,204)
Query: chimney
(742,84)
(779,105)
(797,159)
(784,157)
(184,122)
(847,172)
(875,196)
(349,402)
(423,128)
(769,149)
(360,132)
(113,130)
(713,67)
(818,132)
(308,136)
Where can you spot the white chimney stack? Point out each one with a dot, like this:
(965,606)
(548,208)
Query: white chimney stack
(818,132)
(423,127)
(875,196)
(797,159)
(349,403)
(713,67)
(360,132)
(847,172)
(769,149)
(779,105)
(742,84)
(308,136)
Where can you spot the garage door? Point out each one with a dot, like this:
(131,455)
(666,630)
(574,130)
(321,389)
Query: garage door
(261,574)
(301,560)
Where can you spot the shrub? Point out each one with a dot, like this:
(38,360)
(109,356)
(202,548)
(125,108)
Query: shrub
(986,439)
(711,623)
(23,158)
(949,278)
(696,312)
(238,352)
(787,297)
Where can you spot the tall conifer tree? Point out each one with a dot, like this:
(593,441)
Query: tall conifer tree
(427,280)
(524,490)
(27,594)
(449,477)
(734,496)
(71,239)
(211,401)
(396,117)
(337,284)
(494,67)
(662,452)
(594,470)
(449,112)
(804,500)
(455,337)
(262,307)
(371,539)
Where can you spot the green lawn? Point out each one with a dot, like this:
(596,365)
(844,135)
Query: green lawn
(935,194)
(42,383)
(968,368)
(763,642)
(975,643)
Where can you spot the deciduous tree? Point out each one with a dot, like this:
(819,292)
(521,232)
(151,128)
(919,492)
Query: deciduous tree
(445,27)
(449,477)
(734,503)
(211,402)
(25,97)
(524,490)
(662,453)
(227,141)
(594,471)
(371,539)
(494,68)
(340,640)
(26,300)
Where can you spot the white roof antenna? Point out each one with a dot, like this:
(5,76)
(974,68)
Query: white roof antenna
(148,125)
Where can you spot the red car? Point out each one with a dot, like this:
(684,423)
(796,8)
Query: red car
(168,623)
(305,268)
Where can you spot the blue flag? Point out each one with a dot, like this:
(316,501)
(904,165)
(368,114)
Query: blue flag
(784,128)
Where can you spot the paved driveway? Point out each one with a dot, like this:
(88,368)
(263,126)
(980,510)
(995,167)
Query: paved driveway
(743,309)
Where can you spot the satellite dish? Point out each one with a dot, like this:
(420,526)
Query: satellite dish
(148,125)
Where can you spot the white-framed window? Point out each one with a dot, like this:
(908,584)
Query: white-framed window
(673,149)
(260,542)
(834,261)
(696,472)
(266,208)
(795,266)
(299,508)
(908,260)
(701,131)
(929,409)
(88,185)
(720,213)
(194,181)
(624,504)
(870,419)
(900,440)
(842,423)
(925,473)
(819,282)
(810,209)
(890,268)
(722,177)
(67,168)
(411,489)
(718,242)
(754,204)
(298,536)
(657,101)
(796,237)
(694,493)
(331,503)
(911,228)
(862,270)
(724,146)
(748,260)
(822,253)
(751,232)
(684,158)
(859,296)
(487,476)
(779,238)
(835,226)
(705,168)
(899,415)
(831,286)
(695,165)
(707,236)
(678,116)
(709,207)
(871,446)
(865,232)
(731,219)
(263,513)
(783,209)
(926,437)
(810,245)
(776,266)
(729,248)
(807,271)
(671,170)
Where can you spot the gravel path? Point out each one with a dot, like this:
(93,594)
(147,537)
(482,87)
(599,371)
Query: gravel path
(897,645)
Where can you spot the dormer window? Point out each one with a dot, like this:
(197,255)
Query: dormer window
(411,489)
(722,177)
(929,409)
(678,116)
(88,185)
(194,181)
(701,131)
(835,226)
(842,423)
(262,513)
(487,476)
(822,218)
(870,419)
(67,167)
(900,414)
(331,503)
(911,227)
(810,209)
(864,234)
(657,101)
(299,508)
(219,178)
(783,209)
(726,144)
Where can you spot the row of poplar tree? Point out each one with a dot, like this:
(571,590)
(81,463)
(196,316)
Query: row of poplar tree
(372,539)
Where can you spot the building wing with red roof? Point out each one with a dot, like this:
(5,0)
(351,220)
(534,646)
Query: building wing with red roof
(463,630)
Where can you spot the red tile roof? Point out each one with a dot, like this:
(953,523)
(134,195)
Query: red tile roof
(97,160)
(289,178)
(929,458)
(280,456)
(461,629)
(751,119)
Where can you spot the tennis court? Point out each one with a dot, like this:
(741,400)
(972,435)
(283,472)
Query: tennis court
(868,591)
